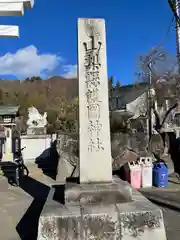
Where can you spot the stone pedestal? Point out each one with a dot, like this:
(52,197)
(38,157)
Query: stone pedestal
(100,211)
(104,193)
(36,131)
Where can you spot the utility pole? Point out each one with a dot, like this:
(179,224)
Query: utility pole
(177,7)
(149,102)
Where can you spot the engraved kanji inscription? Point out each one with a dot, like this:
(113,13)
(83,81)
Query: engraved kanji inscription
(92,79)
(92,60)
(93,111)
(92,67)
(92,95)
(94,127)
(91,145)
(99,145)
(95,145)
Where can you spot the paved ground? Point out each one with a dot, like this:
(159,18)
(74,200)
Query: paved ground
(20,208)
(168,199)
(14,203)
(172,223)
(169,195)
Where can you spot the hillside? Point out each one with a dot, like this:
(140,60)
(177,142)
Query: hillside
(56,95)
(42,93)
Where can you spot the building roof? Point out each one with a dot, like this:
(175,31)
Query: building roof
(119,98)
(9,110)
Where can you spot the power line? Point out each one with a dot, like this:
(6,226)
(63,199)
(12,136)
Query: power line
(155,50)
(167,33)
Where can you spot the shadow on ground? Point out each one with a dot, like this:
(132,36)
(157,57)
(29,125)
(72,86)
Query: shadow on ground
(48,161)
(28,226)
(120,173)
(9,171)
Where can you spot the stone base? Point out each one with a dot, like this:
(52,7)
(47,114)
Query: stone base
(87,214)
(36,131)
(101,193)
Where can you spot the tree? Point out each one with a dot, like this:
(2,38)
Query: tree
(161,68)
(56,96)
(51,116)
(165,80)
(118,85)
(1,96)
(50,129)
(111,83)
(33,79)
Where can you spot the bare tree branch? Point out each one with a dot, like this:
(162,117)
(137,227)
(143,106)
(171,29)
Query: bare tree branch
(167,113)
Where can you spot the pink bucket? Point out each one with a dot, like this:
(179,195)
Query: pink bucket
(134,175)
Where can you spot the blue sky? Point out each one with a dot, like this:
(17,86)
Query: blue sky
(48,38)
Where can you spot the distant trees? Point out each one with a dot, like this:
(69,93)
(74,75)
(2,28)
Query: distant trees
(118,85)
(1,96)
(112,85)
(33,79)
(57,96)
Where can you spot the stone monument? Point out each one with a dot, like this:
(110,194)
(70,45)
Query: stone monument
(36,122)
(94,132)
(100,206)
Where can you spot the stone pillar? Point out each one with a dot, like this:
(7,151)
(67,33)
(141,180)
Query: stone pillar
(9,139)
(8,156)
(94,126)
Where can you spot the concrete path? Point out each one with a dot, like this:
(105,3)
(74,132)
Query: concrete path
(13,204)
(20,207)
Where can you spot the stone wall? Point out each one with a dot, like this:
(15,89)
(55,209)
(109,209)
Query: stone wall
(134,141)
(124,148)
